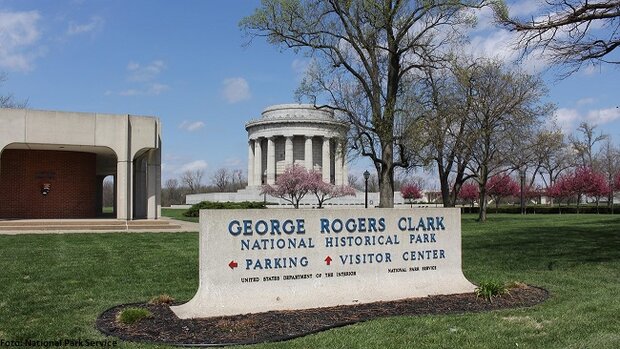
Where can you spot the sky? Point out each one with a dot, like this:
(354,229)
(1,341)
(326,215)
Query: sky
(188,63)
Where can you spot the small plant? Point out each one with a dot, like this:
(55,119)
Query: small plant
(490,289)
(130,316)
(194,211)
(161,299)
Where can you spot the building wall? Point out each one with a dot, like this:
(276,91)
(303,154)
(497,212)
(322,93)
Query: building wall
(72,176)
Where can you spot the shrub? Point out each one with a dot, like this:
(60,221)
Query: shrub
(161,299)
(130,316)
(490,289)
(194,211)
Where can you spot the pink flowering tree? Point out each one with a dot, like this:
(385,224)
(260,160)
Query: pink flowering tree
(596,184)
(326,191)
(411,192)
(561,189)
(291,185)
(469,192)
(501,186)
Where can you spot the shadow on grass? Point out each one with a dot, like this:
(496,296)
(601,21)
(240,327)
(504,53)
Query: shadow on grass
(539,243)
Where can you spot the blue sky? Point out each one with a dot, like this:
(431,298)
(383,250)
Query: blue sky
(185,62)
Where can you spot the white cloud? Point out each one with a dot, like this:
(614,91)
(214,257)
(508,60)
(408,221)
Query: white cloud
(192,166)
(603,116)
(567,119)
(585,101)
(18,34)
(95,24)
(154,89)
(236,90)
(142,73)
(191,126)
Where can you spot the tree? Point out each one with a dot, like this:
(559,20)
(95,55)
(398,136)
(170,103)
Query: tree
(469,192)
(610,166)
(326,191)
(292,185)
(8,100)
(571,31)
(584,144)
(221,179)
(561,189)
(193,180)
(507,104)
(171,193)
(449,99)
(366,56)
(411,192)
(554,155)
(501,186)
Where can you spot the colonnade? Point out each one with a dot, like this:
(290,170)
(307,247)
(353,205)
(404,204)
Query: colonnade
(269,156)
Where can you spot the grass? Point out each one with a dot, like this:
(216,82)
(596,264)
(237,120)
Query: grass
(177,213)
(54,286)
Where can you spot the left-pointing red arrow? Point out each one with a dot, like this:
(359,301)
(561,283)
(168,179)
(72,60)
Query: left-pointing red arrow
(233,265)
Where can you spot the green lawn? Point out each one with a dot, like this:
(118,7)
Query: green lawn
(177,213)
(54,286)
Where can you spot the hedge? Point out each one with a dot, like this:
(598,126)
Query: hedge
(544,209)
(211,205)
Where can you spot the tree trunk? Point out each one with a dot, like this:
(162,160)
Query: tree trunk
(386,176)
(482,214)
(445,190)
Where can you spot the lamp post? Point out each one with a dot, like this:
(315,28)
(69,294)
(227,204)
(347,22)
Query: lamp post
(366,176)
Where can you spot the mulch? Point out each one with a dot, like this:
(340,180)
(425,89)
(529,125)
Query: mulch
(165,327)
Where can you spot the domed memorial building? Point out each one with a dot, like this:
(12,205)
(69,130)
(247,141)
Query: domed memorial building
(300,134)
(284,135)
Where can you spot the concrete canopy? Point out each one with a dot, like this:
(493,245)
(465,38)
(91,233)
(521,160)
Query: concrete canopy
(126,146)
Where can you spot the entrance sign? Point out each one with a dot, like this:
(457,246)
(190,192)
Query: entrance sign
(261,260)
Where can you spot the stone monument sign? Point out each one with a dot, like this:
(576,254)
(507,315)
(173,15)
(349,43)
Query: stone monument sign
(261,260)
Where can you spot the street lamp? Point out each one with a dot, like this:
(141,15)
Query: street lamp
(366,176)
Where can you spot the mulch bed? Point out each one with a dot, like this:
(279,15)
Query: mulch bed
(165,327)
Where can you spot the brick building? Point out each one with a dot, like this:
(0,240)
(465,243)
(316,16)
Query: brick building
(53,164)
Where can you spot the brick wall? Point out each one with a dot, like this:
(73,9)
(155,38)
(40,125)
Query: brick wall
(72,176)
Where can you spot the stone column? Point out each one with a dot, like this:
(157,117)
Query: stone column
(345,173)
(338,162)
(326,161)
(308,154)
(271,161)
(250,163)
(153,190)
(124,187)
(258,162)
(288,151)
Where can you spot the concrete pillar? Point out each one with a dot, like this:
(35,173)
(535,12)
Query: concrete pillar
(288,152)
(250,163)
(338,162)
(153,178)
(308,154)
(271,161)
(124,187)
(345,173)
(326,161)
(258,162)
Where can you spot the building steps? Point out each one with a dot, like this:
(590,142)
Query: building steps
(86,225)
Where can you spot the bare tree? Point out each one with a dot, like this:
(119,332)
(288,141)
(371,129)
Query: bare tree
(610,167)
(221,179)
(108,192)
(584,142)
(553,155)
(192,179)
(367,55)
(8,100)
(506,105)
(172,193)
(569,30)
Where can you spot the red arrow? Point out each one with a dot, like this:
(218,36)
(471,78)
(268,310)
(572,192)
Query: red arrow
(233,265)
(328,260)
